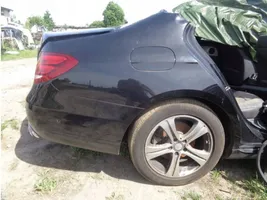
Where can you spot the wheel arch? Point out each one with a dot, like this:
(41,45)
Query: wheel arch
(207,99)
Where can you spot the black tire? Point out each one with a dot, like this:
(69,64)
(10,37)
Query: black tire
(261,162)
(143,126)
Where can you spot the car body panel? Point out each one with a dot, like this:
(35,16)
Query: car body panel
(152,58)
(93,105)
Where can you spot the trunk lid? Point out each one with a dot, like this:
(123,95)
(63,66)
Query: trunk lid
(47,36)
(69,34)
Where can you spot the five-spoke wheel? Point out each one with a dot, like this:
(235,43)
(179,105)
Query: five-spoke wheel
(177,142)
(172,151)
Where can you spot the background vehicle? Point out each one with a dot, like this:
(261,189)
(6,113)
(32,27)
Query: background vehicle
(178,100)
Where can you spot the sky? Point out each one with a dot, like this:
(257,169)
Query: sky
(82,12)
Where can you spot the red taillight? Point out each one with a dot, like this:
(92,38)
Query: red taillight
(52,65)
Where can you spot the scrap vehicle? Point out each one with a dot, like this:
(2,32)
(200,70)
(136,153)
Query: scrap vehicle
(181,102)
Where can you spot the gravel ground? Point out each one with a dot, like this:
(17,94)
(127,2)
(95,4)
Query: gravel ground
(37,169)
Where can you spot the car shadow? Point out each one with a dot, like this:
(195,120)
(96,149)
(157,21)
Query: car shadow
(44,153)
(52,155)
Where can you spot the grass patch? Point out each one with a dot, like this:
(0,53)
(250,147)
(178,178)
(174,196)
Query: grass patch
(45,183)
(13,123)
(215,175)
(256,188)
(113,196)
(191,196)
(217,197)
(13,165)
(21,55)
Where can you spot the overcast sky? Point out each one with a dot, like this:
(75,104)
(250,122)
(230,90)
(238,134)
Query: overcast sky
(81,12)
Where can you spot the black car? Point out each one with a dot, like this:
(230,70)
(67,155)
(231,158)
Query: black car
(181,103)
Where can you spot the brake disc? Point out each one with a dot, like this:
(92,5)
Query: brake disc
(262,161)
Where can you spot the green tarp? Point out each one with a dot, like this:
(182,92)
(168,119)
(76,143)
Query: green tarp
(233,22)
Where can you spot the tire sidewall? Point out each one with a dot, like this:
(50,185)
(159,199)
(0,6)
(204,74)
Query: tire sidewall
(162,112)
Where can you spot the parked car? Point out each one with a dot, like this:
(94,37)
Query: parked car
(181,102)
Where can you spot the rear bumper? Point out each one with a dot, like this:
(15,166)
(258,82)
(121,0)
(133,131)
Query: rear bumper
(96,134)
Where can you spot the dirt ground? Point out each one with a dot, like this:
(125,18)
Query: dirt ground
(33,168)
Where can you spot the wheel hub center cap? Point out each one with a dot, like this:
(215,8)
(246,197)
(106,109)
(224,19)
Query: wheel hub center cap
(178,147)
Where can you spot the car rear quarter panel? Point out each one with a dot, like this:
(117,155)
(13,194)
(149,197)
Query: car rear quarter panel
(92,105)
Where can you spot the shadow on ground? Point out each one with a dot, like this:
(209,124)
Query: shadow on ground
(47,154)
(52,155)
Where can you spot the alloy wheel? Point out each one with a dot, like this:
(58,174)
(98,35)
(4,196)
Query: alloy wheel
(178,146)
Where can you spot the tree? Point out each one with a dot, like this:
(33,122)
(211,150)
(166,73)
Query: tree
(65,27)
(48,21)
(113,15)
(34,20)
(97,24)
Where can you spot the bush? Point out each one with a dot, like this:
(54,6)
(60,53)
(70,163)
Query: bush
(9,44)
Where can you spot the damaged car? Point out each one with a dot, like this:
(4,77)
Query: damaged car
(181,102)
